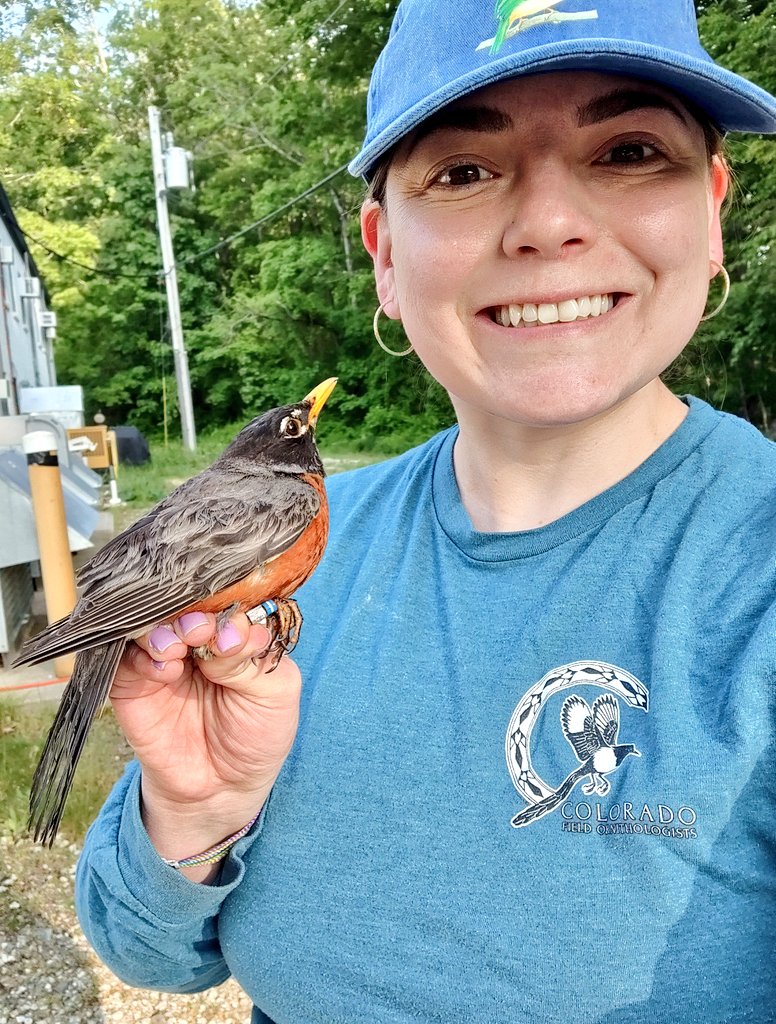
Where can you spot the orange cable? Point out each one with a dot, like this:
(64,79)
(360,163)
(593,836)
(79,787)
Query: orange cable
(32,686)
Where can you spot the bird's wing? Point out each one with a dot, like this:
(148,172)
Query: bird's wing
(183,552)
(606,718)
(577,723)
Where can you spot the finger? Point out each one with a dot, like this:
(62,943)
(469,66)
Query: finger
(238,639)
(196,628)
(162,643)
(138,669)
(252,678)
(231,639)
(240,653)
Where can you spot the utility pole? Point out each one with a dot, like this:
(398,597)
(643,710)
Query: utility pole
(171,281)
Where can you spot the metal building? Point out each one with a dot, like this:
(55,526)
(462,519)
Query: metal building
(31,400)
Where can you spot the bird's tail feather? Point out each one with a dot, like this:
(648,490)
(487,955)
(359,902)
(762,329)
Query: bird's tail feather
(500,36)
(83,697)
(549,803)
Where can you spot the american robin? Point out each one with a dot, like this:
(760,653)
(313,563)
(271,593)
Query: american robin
(249,529)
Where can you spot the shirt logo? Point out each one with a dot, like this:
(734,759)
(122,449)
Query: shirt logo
(592,733)
(518,17)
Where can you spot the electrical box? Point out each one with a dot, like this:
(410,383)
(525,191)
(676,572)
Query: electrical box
(176,167)
(64,403)
(46,319)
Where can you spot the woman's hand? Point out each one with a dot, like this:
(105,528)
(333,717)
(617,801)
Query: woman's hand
(211,735)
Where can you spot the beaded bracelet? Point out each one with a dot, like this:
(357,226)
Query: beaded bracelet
(215,853)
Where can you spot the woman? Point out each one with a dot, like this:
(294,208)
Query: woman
(581,575)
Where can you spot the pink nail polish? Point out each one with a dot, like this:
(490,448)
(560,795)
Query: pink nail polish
(162,638)
(228,637)
(191,620)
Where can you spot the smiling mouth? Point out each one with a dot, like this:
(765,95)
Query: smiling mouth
(530,314)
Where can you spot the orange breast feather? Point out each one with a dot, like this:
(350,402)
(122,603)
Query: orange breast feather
(281,576)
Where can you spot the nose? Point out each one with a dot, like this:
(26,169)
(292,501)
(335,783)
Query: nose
(550,213)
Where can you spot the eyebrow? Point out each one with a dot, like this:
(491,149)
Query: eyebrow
(492,120)
(483,119)
(622,101)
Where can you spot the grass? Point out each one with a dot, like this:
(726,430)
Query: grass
(23,729)
(142,486)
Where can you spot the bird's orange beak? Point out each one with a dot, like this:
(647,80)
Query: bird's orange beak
(318,398)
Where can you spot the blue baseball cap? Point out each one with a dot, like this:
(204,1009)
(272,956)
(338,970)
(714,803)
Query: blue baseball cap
(438,52)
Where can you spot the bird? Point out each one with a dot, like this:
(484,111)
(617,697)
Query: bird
(250,528)
(508,12)
(592,734)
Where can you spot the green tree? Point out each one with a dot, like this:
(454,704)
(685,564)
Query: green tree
(271,101)
(732,361)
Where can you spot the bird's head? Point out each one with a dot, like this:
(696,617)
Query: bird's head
(622,751)
(283,439)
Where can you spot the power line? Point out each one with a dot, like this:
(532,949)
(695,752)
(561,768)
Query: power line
(84,266)
(198,255)
(238,234)
(262,220)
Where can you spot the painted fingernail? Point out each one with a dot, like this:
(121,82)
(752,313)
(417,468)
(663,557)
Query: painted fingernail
(162,638)
(191,620)
(228,637)
(160,665)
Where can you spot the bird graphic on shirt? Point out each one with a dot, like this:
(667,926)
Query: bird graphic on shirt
(508,12)
(592,733)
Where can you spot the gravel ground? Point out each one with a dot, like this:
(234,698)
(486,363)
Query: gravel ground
(48,974)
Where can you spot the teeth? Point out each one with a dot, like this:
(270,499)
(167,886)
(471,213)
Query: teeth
(548,313)
(566,312)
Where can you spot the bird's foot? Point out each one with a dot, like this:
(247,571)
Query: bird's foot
(603,786)
(284,626)
(589,787)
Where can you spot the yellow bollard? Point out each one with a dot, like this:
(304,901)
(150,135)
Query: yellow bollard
(48,505)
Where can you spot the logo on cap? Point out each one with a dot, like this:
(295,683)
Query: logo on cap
(517,17)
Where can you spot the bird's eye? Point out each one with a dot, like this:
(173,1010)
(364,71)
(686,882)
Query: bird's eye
(291,427)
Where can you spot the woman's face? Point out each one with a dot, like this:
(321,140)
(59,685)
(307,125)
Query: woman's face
(547,198)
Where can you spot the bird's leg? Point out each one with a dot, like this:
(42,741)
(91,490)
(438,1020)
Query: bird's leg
(603,786)
(591,786)
(284,626)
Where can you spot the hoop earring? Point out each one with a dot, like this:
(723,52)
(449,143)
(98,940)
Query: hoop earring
(380,341)
(725,293)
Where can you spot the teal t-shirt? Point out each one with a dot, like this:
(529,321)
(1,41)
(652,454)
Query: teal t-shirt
(534,774)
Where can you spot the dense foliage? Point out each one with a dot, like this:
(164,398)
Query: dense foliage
(270,98)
